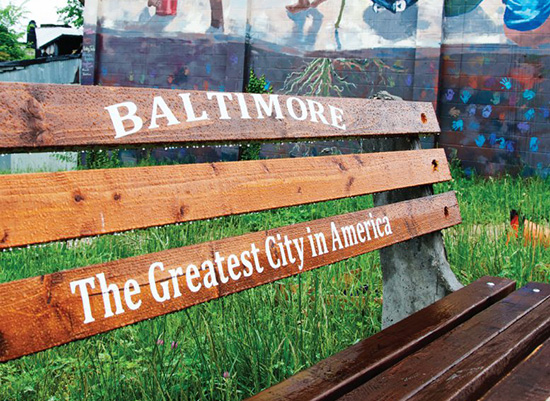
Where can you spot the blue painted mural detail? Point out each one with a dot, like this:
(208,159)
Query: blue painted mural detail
(526,15)
(506,83)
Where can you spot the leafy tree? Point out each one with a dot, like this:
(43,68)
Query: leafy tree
(10,47)
(72,13)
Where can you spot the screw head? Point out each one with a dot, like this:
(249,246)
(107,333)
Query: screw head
(491,284)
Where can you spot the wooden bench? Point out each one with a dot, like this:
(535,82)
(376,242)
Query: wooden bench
(449,339)
(458,348)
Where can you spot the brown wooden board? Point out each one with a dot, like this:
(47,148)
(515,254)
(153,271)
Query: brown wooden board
(530,380)
(340,373)
(65,116)
(473,376)
(408,377)
(84,203)
(42,312)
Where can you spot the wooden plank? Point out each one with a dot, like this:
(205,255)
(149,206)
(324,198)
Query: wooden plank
(42,312)
(528,381)
(408,377)
(67,116)
(340,373)
(84,203)
(473,376)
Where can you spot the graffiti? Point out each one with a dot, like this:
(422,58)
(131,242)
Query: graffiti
(465,96)
(454,112)
(529,114)
(496,98)
(506,83)
(529,95)
(480,140)
(524,127)
(486,112)
(458,125)
(449,94)
(534,144)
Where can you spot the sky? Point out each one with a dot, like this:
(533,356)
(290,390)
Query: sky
(42,11)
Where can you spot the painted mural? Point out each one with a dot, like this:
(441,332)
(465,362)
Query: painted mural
(495,87)
(483,63)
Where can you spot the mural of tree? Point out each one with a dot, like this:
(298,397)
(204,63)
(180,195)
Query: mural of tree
(324,76)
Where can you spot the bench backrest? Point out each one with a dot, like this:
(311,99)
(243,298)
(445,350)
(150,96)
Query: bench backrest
(42,312)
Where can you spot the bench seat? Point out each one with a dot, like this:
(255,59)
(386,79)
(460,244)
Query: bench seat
(457,348)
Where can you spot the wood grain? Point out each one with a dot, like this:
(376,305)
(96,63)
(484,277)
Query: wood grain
(49,116)
(41,312)
(84,203)
(473,376)
(414,373)
(528,381)
(340,373)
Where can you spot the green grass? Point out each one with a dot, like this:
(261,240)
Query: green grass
(233,347)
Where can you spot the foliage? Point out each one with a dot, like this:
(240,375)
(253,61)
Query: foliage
(258,84)
(255,85)
(72,13)
(99,158)
(10,47)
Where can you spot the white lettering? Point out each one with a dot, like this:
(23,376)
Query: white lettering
(191,117)
(387,228)
(316,109)
(337,116)
(159,103)
(292,112)
(210,276)
(174,273)
(242,105)
(153,285)
(232,262)
(220,97)
(299,245)
(267,108)
(268,252)
(130,292)
(105,290)
(245,259)
(117,119)
(335,237)
(255,252)
(81,284)
(191,274)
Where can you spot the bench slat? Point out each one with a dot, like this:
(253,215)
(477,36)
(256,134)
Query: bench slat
(414,373)
(472,377)
(41,312)
(85,203)
(528,381)
(342,372)
(49,116)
